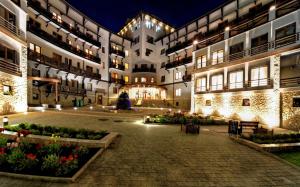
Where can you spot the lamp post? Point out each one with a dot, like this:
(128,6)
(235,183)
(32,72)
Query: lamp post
(5,121)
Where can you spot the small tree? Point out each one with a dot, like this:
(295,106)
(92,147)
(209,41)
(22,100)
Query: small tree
(123,102)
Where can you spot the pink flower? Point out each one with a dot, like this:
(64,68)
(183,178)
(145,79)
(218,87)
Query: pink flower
(31,156)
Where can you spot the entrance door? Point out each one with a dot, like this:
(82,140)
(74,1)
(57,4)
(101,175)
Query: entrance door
(99,101)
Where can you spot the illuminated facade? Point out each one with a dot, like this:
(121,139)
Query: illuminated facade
(13,58)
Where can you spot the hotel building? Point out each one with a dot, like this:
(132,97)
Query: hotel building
(240,60)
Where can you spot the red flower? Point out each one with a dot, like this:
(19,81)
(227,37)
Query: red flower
(31,156)
(2,150)
(70,158)
(24,132)
(63,159)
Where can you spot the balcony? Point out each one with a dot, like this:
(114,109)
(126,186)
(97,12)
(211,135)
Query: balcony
(50,38)
(67,90)
(117,66)
(250,85)
(37,7)
(48,61)
(180,62)
(179,46)
(187,78)
(117,52)
(116,80)
(290,82)
(146,70)
(263,48)
(12,28)
(10,68)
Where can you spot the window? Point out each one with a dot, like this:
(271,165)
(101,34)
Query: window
(126,65)
(126,78)
(201,84)
(217,82)
(259,76)
(286,31)
(201,61)
(103,49)
(137,52)
(163,65)
(126,53)
(115,90)
(236,48)
(59,19)
(150,39)
(136,79)
(163,51)
(296,102)
(89,86)
(148,52)
(143,79)
(178,92)
(260,40)
(7,90)
(218,57)
(163,78)
(69,41)
(136,40)
(236,79)
(34,48)
(178,75)
(152,80)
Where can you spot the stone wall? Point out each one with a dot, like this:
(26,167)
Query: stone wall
(230,105)
(290,114)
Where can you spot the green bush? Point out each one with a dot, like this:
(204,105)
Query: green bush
(3,142)
(3,159)
(53,148)
(80,136)
(68,167)
(51,164)
(26,147)
(16,159)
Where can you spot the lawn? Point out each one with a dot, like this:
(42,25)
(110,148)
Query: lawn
(292,157)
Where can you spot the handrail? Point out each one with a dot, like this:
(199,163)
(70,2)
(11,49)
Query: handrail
(12,28)
(10,68)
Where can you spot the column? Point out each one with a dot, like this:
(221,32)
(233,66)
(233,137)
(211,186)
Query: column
(275,71)
(193,94)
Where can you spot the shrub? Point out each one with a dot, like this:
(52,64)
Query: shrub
(80,136)
(51,164)
(53,148)
(3,159)
(33,127)
(68,167)
(16,159)
(81,151)
(26,147)
(3,142)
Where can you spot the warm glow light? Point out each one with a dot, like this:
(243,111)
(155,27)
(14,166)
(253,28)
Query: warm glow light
(195,42)
(227,28)
(25,113)
(91,108)
(75,108)
(273,7)
(43,110)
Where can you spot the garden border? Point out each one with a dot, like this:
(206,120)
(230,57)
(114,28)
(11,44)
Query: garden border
(102,143)
(262,150)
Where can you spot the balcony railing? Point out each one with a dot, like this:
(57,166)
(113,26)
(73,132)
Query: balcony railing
(117,52)
(50,38)
(37,6)
(48,61)
(117,66)
(180,62)
(273,45)
(179,46)
(67,90)
(249,85)
(12,28)
(187,78)
(151,70)
(290,82)
(10,68)
(116,80)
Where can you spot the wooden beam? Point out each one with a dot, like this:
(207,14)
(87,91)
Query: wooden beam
(44,79)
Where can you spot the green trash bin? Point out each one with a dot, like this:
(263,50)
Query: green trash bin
(81,102)
(77,103)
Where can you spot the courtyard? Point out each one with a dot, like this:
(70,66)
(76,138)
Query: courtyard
(160,155)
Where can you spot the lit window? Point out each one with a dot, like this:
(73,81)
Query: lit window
(178,92)
(126,65)
(217,57)
(126,53)
(152,80)
(136,79)
(54,15)
(126,78)
(259,76)
(87,51)
(31,46)
(143,79)
(217,82)
(78,47)
(201,84)
(90,52)
(201,61)
(158,28)
(178,75)
(59,19)
(7,90)
(236,80)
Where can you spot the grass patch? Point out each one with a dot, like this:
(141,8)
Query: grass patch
(292,157)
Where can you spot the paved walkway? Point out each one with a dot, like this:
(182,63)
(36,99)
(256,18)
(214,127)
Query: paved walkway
(152,155)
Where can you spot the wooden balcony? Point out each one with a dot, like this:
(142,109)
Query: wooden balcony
(10,68)
(117,52)
(145,70)
(290,82)
(12,28)
(180,62)
(117,66)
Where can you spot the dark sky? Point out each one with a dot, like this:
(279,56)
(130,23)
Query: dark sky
(113,14)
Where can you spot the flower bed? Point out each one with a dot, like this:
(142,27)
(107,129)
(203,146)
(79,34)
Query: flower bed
(56,131)
(180,118)
(273,139)
(54,160)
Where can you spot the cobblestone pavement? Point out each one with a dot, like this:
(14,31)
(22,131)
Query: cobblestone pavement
(152,155)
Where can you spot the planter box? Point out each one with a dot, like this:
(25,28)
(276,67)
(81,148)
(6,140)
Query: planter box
(267,147)
(102,143)
(54,179)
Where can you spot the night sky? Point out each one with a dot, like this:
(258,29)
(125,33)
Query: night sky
(112,14)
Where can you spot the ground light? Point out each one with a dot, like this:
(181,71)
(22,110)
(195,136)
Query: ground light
(147,119)
(5,121)
(91,108)
(75,108)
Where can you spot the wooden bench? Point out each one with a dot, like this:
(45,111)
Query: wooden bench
(247,124)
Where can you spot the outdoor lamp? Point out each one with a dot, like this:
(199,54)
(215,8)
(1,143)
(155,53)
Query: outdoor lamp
(5,121)
(147,119)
